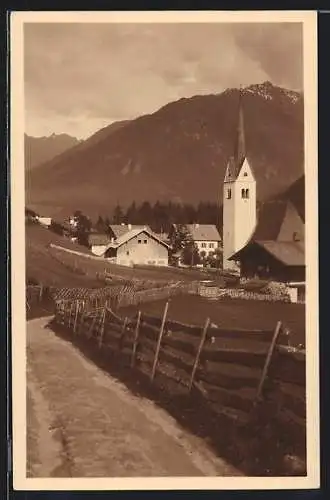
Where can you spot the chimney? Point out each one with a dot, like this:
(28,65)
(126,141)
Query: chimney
(196,225)
(129,227)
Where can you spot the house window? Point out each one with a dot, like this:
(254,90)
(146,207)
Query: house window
(245,174)
(228,194)
(245,193)
(127,253)
(203,245)
(296,236)
(139,241)
(211,245)
(145,241)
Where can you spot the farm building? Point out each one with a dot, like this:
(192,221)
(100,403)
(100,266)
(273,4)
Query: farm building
(44,221)
(205,236)
(136,246)
(98,243)
(276,249)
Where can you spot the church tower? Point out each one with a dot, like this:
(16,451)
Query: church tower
(239,197)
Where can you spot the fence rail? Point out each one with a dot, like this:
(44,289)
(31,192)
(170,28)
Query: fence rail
(238,372)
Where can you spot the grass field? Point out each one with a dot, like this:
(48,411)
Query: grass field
(42,267)
(51,266)
(227,313)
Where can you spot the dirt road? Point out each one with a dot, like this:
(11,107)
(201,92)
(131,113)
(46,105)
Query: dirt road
(83,423)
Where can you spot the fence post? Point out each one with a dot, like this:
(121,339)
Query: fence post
(102,327)
(122,334)
(76,316)
(90,331)
(200,347)
(268,360)
(136,337)
(70,313)
(82,316)
(161,331)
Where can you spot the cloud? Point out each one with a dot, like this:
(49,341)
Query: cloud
(107,72)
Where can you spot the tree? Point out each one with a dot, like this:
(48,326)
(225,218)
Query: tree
(145,213)
(82,227)
(217,258)
(190,254)
(132,214)
(118,215)
(101,225)
(183,243)
(180,237)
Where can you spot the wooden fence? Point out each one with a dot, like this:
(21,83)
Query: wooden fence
(111,296)
(237,373)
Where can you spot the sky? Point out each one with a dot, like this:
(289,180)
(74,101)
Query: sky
(80,77)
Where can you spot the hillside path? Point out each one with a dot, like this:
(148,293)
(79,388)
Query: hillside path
(81,422)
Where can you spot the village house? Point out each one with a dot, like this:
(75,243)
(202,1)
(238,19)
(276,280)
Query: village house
(44,221)
(98,243)
(135,246)
(206,238)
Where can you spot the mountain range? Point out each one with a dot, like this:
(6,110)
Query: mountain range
(38,150)
(178,153)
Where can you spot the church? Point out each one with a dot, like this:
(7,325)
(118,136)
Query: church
(267,243)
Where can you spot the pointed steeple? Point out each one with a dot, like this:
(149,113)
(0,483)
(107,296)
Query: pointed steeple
(240,150)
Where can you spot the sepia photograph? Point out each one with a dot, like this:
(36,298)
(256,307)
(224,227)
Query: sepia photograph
(164,254)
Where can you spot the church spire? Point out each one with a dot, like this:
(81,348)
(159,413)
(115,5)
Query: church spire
(239,154)
(240,148)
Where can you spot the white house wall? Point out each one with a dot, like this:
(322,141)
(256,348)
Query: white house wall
(207,246)
(98,250)
(150,253)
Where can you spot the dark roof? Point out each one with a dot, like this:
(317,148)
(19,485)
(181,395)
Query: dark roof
(204,232)
(121,229)
(99,239)
(270,217)
(289,253)
(278,221)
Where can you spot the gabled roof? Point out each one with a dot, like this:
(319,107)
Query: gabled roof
(124,238)
(99,239)
(270,217)
(277,220)
(289,253)
(204,232)
(120,229)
